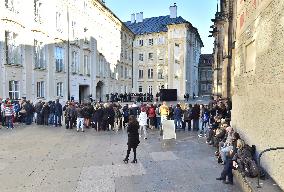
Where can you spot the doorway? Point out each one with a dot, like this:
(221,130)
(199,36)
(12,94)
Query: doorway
(99,91)
(84,93)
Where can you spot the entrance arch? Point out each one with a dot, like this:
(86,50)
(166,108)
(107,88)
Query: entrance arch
(99,91)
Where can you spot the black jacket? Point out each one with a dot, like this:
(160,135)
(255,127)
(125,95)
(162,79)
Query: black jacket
(133,135)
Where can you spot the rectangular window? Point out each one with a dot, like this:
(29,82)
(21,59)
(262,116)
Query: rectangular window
(37,10)
(141,42)
(150,89)
(203,75)
(39,55)
(13,48)
(209,87)
(14,90)
(75,62)
(161,40)
(121,71)
(59,59)
(86,65)
(59,23)
(160,74)
(151,42)
(203,87)
(125,72)
(140,89)
(141,57)
(10,5)
(151,56)
(209,74)
(59,89)
(150,73)
(141,73)
(40,89)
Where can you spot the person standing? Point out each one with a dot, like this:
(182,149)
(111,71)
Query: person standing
(58,113)
(178,117)
(80,118)
(133,138)
(9,112)
(45,113)
(164,112)
(195,112)
(70,116)
(187,116)
(142,119)
(152,116)
(38,110)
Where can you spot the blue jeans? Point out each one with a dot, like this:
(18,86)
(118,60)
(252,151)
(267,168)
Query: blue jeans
(158,122)
(29,119)
(57,120)
(9,121)
(51,119)
(178,123)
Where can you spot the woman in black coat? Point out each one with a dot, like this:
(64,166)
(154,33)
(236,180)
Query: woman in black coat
(133,138)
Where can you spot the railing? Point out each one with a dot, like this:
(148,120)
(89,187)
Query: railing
(259,156)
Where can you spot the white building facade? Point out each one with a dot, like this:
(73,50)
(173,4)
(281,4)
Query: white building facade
(166,54)
(58,49)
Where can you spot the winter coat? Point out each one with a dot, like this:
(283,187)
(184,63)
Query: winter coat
(143,119)
(177,113)
(52,108)
(45,111)
(133,135)
(9,111)
(98,115)
(58,109)
(38,108)
(187,115)
(151,112)
(79,113)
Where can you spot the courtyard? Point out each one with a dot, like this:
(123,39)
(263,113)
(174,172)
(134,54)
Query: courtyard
(37,158)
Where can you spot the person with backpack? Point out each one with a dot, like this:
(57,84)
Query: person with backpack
(187,117)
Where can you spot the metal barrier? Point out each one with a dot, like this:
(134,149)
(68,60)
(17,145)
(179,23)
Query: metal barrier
(259,156)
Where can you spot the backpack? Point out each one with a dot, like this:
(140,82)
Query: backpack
(250,168)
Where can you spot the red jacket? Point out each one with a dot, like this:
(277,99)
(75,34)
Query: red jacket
(151,112)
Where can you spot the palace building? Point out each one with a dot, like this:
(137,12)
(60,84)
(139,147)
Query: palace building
(72,49)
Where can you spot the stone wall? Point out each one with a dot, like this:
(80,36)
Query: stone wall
(258,100)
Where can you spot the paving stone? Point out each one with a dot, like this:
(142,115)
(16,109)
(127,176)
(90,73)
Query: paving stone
(163,156)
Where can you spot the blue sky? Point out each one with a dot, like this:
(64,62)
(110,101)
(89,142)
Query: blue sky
(198,12)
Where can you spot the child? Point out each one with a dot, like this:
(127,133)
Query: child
(227,171)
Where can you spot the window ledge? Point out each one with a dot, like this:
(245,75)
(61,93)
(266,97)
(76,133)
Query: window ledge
(14,65)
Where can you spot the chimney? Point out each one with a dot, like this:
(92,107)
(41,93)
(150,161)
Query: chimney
(173,11)
(139,17)
(133,18)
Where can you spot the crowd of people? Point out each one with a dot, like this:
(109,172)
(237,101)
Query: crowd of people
(212,121)
(132,97)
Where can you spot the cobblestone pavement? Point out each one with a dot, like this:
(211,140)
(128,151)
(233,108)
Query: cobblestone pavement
(49,159)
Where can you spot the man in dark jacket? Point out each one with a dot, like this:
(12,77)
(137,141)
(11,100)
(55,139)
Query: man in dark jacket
(38,110)
(57,113)
(178,117)
(70,116)
(51,112)
(28,107)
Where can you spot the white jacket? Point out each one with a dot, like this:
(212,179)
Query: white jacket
(143,119)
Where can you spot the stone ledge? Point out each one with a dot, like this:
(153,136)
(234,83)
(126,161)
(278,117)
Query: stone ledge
(250,184)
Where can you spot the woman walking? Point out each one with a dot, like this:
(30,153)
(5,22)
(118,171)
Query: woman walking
(133,138)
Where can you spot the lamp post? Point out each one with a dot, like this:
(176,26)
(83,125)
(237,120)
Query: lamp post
(68,57)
